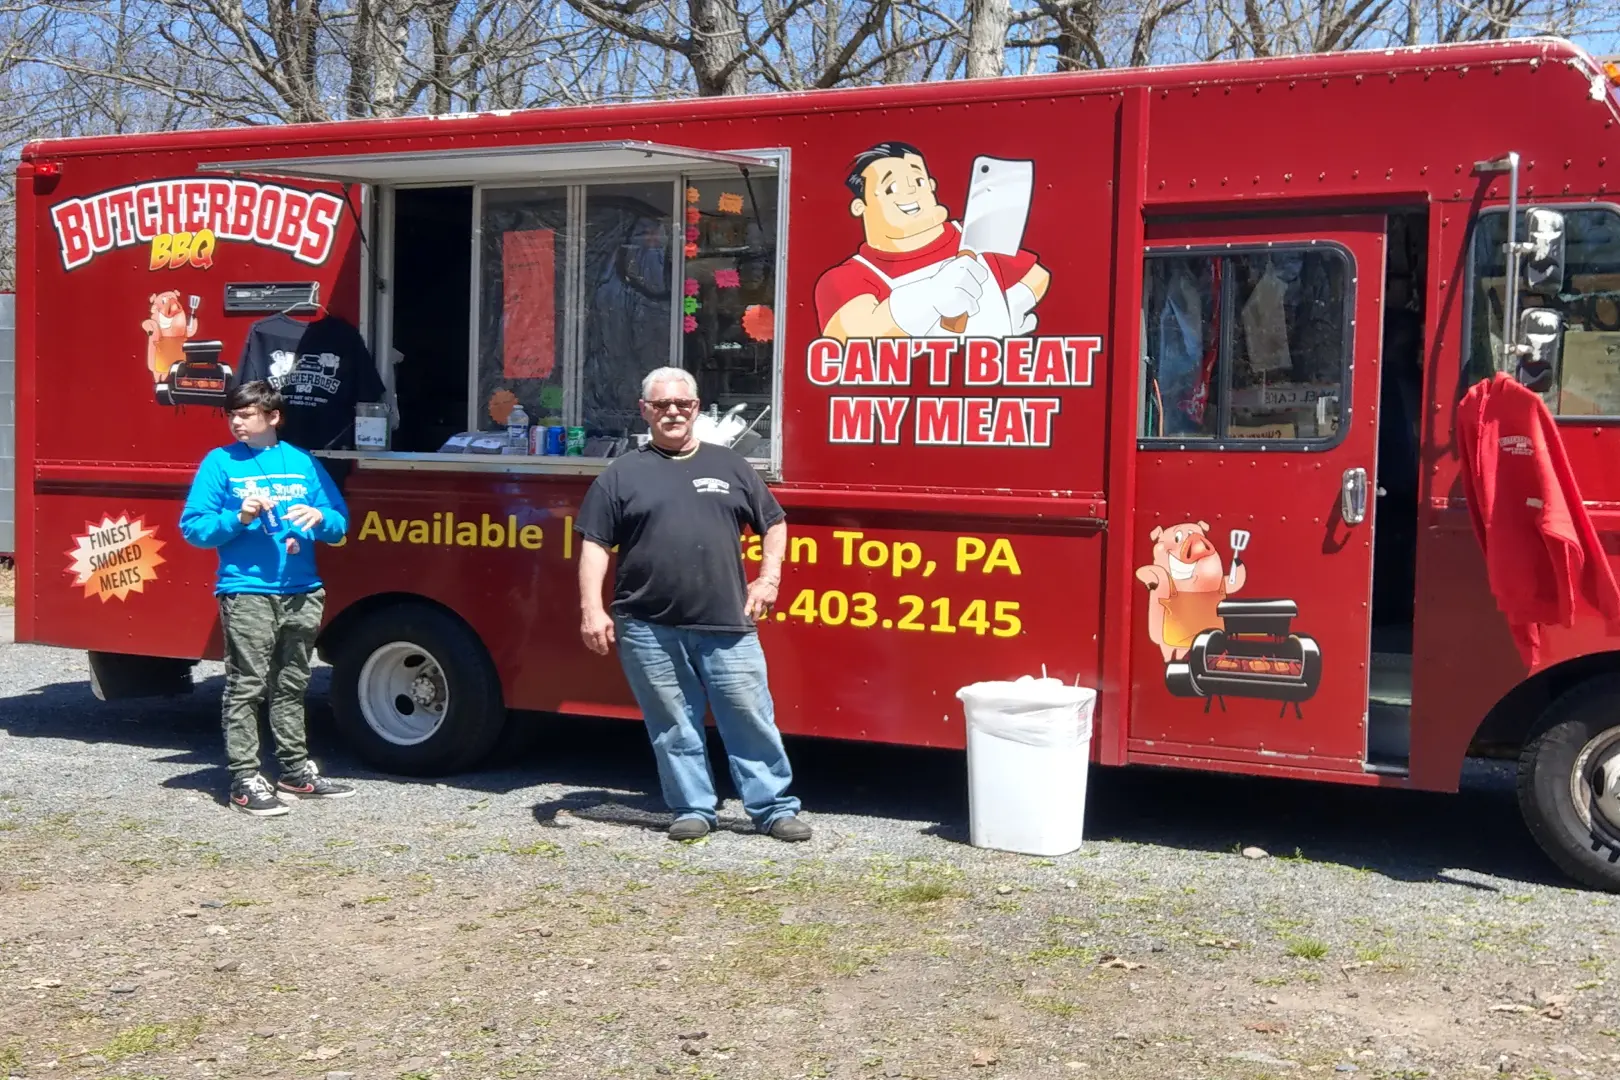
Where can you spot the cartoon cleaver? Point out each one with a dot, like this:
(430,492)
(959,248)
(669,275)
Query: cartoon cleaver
(997,209)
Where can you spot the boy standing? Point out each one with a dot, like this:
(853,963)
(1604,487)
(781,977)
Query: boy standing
(263,504)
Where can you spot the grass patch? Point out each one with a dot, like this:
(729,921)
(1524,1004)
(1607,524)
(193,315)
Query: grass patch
(1307,949)
(1052,1005)
(131,1041)
(802,937)
(1052,954)
(376,899)
(921,892)
(812,951)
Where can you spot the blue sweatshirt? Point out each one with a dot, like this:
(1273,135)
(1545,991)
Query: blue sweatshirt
(253,558)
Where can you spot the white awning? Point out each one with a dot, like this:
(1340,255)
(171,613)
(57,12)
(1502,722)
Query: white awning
(467,166)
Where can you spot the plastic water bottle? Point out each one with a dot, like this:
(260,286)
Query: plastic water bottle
(517,429)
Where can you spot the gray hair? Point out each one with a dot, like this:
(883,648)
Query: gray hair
(667,374)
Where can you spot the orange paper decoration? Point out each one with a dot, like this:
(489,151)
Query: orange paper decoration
(528,309)
(692,195)
(758,322)
(500,405)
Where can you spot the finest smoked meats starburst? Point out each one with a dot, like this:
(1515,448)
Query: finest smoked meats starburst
(115,558)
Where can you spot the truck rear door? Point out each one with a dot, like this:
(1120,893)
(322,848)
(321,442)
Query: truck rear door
(1257,431)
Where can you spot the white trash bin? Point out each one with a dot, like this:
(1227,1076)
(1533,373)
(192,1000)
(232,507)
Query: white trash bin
(1028,747)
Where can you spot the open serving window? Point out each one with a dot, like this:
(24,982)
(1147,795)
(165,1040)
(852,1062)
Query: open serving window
(554,278)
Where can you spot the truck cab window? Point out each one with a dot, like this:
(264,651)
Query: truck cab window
(1253,345)
(1588,380)
(1181,347)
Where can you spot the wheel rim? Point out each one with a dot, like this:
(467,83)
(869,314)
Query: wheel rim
(403,693)
(1594,785)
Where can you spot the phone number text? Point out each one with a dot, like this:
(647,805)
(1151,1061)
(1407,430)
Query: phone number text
(833,607)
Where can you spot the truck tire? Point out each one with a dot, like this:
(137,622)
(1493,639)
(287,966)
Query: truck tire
(414,692)
(1569,783)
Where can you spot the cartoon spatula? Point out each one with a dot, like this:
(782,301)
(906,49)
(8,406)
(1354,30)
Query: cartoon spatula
(1240,540)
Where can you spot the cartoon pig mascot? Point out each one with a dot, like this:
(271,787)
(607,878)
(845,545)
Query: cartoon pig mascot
(167,331)
(1186,583)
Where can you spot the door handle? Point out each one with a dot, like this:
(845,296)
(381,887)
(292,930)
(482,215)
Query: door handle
(1353,496)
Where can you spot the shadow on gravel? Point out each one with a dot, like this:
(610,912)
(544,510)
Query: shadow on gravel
(1405,836)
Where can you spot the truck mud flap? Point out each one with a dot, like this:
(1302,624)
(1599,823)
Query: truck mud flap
(118,676)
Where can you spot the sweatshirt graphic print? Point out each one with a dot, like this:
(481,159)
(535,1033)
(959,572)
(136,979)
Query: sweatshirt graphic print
(253,558)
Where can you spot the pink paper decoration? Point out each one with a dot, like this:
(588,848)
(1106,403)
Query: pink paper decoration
(727,279)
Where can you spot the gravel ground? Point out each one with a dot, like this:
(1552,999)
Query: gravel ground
(531,920)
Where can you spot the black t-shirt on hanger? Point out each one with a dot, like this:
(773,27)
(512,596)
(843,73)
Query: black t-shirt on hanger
(322,369)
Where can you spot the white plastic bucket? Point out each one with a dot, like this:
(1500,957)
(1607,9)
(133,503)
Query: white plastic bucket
(1028,748)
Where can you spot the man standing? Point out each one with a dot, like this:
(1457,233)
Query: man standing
(262,504)
(683,613)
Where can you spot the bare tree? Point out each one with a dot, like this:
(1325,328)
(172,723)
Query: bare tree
(987,24)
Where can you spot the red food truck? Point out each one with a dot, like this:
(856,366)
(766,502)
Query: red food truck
(1146,376)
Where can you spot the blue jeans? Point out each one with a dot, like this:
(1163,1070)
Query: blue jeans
(676,675)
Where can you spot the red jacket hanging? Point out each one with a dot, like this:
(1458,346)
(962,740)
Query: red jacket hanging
(1541,549)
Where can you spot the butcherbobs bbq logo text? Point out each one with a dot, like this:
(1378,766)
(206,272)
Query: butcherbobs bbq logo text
(184,221)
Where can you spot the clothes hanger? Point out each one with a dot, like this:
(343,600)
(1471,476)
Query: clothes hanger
(313,304)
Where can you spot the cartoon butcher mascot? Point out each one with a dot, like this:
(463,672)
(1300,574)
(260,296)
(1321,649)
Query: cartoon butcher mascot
(921,275)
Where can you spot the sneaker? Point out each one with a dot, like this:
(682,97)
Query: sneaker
(688,828)
(790,828)
(252,795)
(308,783)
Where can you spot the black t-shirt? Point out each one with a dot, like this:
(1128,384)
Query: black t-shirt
(678,525)
(322,369)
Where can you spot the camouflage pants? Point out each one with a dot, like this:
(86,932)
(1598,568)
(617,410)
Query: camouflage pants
(267,645)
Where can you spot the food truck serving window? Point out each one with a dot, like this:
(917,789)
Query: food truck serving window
(1245,345)
(579,269)
(583,288)
(1586,382)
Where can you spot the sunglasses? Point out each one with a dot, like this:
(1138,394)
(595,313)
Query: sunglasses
(681,403)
